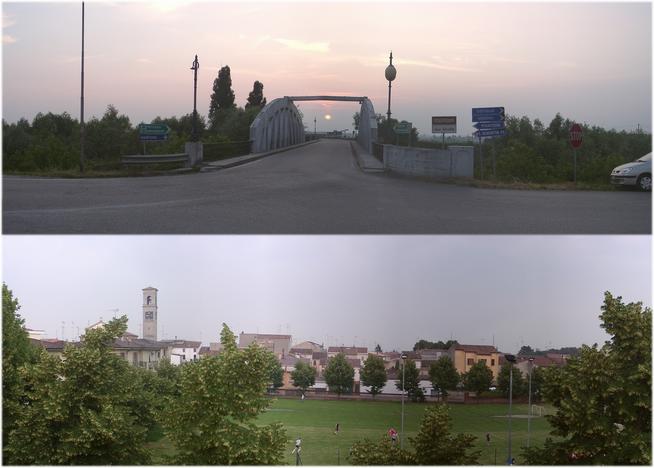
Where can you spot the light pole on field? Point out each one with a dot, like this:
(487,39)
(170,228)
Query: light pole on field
(404,356)
(511,359)
(531,366)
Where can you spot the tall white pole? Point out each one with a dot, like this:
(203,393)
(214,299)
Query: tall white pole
(402,428)
(531,365)
(509,461)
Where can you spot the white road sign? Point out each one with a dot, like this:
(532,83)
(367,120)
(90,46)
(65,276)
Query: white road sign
(443,124)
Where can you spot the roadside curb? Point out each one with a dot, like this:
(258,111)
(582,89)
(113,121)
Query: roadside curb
(365,161)
(240,160)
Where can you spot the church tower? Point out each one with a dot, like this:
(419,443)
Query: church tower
(150,313)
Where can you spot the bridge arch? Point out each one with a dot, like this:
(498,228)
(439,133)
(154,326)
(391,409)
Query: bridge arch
(279,124)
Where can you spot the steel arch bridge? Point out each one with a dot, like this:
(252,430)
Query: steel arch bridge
(279,123)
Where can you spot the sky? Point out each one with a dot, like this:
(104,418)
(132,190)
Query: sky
(592,62)
(541,291)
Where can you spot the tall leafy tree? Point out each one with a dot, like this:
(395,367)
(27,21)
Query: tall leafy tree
(503,381)
(339,374)
(213,421)
(436,445)
(443,375)
(255,98)
(425,344)
(82,409)
(411,381)
(303,376)
(603,397)
(373,374)
(17,352)
(222,98)
(276,375)
(378,348)
(479,378)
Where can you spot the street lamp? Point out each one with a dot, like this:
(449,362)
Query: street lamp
(403,356)
(195,66)
(390,73)
(531,366)
(511,359)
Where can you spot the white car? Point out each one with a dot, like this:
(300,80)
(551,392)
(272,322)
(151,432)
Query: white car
(638,173)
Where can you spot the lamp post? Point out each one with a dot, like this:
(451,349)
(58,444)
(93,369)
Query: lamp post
(404,356)
(390,74)
(531,366)
(81,104)
(511,359)
(195,66)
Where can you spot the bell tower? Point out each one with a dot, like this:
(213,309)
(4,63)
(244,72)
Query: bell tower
(150,313)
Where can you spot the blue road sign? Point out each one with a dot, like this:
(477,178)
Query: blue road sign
(490,133)
(489,125)
(153,137)
(487,114)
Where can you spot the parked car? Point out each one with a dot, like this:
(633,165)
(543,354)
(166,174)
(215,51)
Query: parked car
(638,173)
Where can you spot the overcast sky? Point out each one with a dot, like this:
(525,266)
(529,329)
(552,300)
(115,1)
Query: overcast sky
(544,291)
(590,61)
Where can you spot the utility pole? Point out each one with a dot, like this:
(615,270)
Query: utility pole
(81,118)
(195,67)
(390,74)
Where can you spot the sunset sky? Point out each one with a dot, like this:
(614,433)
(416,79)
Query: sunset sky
(589,61)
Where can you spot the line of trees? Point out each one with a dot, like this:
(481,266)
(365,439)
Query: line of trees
(51,142)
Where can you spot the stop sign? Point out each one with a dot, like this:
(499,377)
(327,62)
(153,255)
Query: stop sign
(575,135)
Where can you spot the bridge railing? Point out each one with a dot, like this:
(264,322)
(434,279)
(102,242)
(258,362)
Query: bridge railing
(218,151)
(378,151)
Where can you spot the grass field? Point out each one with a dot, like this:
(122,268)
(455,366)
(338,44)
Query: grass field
(315,420)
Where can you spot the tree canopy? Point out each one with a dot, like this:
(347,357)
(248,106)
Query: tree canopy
(411,381)
(212,422)
(503,380)
(443,375)
(303,376)
(255,98)
(373,374)
(222,98)
(339,374)
(603,396)
(425,344)
(479,378)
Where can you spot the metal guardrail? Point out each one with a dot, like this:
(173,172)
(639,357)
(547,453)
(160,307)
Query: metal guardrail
(378,151)
(155,158)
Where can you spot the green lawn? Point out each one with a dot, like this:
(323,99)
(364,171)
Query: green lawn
(315,420)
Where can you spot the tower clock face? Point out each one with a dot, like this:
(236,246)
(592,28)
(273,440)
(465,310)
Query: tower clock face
(148,315)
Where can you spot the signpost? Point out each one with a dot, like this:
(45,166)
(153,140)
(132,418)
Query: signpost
(153,132)
(489,122)
(576,139)
(403,128)
(443,124)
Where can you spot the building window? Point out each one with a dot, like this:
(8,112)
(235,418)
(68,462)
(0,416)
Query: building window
(482,360)
(471,361)
(492,362)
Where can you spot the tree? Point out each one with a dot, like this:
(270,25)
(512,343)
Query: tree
(255,98)
(213,421)
(479,378)
(84,409)
(339,375)
(443,375)
(503,381)
(411,381)
(373,374)
(435,444)
(526,351)
(276,375)
(424,344)
(603,396)
(17,352)
(378,348)
(222,98)
(303,376)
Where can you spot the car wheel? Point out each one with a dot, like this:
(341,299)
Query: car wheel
(644,182)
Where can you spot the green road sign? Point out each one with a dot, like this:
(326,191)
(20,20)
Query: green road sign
(154,129)
(402,128)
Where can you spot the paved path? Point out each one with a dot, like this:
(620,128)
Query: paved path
(313,189)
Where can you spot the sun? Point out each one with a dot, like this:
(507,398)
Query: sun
(328,117)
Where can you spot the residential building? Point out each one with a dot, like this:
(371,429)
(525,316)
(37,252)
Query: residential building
(181,351)
(352,352)
(279,345)
(465,356)
(539,361)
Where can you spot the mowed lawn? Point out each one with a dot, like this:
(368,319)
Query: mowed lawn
(314,421)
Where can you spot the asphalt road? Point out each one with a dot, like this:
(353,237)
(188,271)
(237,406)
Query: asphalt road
(316,189)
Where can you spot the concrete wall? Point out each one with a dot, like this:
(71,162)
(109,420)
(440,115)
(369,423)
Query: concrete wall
(456,161)
(278,125)
(367,126)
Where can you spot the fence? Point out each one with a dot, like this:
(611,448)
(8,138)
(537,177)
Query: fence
(218,151)
(378,151)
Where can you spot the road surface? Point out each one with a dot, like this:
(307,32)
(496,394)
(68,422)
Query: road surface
(315,189)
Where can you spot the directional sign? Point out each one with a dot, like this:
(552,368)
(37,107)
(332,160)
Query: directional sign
(489,125)
(153,129)
(153,137)
(487,114)
(575,136)
(402,128)
(490,133)
(443,124)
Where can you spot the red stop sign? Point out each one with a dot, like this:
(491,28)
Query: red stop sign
(575,135)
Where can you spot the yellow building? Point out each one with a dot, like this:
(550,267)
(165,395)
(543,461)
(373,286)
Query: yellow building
(465,356)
